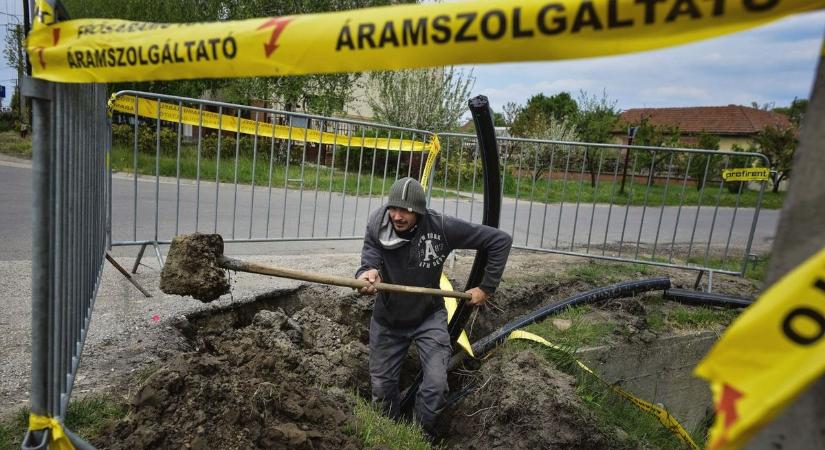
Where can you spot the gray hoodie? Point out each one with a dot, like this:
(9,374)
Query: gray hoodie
(419,261)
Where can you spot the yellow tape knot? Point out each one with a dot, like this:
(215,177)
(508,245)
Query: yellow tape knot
(59,440)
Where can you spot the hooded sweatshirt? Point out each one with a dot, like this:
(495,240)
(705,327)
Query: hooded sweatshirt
(416,259)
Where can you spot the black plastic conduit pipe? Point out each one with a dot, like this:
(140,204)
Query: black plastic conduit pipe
(624,289)
(691,297)
(489,342)
(490,169)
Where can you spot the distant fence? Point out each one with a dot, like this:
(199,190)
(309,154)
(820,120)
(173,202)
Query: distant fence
(255,174)
(652,205)
(251,174)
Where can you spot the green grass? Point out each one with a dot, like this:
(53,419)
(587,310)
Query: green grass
(13,428)
(12,144)
(552,191)
(86,418)
(603,273)
(755,269)
(377,430)
(583,332)
(636,193)
(123,161)
(612,411)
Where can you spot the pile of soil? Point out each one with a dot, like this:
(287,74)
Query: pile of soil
(280,371)
(524,403)
(281,379)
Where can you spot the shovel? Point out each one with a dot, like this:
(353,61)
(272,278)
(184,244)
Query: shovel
(195,266)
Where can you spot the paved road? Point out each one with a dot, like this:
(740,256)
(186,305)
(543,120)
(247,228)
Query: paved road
(295,215)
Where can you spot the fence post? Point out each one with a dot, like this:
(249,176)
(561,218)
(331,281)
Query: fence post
(41,94)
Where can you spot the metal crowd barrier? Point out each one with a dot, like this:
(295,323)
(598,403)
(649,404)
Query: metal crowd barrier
(652,205)
(69,143)
(251,174)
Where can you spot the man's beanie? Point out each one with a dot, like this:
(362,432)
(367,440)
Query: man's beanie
(407,193)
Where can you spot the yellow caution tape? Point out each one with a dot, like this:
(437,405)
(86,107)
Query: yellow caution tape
(434,149)
(746,174)
(393,37)
(661,414)
(451,303)
(59,440)
(227,122)
(769,355)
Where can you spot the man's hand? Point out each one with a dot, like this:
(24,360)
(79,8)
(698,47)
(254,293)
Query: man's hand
(373,278)
(479,296)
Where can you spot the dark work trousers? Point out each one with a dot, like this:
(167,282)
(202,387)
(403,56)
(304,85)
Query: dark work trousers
(389,347)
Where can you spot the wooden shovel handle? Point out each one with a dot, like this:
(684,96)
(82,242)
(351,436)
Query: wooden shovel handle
(242,266)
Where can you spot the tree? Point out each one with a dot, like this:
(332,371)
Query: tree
(511,111)
(432,99)
(13,48)
(795,112)
(650,134)
(704,165)
(14,53)
(595,120)
(558,107)
(322,94)
(540,127)
(778,145)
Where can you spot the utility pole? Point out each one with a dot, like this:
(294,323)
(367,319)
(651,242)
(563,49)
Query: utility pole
(800,234)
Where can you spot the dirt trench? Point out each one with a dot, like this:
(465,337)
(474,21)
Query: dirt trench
(280,372)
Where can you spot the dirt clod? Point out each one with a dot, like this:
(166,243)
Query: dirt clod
(191,267)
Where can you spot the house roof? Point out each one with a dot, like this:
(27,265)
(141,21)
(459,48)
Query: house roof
(724,120)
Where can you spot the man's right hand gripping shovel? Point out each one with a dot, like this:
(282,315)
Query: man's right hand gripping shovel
(373,277)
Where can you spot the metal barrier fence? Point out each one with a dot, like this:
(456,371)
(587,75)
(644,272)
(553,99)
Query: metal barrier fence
(69,144)
(653,205)
(251,174)
(255,174)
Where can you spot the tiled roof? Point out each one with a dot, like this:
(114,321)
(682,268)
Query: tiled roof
(726,120)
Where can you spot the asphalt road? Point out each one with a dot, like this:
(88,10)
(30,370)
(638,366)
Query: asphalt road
(296,216)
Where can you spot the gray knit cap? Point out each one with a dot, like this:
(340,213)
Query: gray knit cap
(408,193)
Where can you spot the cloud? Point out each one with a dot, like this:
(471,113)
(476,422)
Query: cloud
(773,63)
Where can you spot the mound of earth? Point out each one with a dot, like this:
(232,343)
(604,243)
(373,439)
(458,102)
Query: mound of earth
(279,372)
(524,403)
(280,382)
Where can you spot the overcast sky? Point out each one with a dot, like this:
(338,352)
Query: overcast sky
(774,63)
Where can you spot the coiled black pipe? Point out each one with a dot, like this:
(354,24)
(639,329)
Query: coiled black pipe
(691,297)
(624,289)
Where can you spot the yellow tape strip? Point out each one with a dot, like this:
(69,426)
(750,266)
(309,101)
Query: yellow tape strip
(768,356)
(451,303)
(59,440)
(659,413)
(394,37)
(434,149)
(746,174)
(192,116)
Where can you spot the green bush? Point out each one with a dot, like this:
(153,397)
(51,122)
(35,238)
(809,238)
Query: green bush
(8,122)
(124,134)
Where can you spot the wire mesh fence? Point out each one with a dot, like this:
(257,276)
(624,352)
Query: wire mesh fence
(664,206)
(248,173)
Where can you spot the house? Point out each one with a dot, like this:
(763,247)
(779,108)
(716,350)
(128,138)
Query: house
(733,124)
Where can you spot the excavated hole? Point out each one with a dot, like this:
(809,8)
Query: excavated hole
(278,371)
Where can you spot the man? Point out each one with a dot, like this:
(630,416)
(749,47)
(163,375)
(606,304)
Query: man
(405,243)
